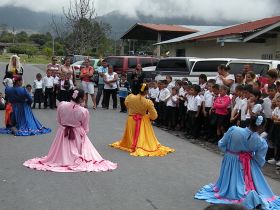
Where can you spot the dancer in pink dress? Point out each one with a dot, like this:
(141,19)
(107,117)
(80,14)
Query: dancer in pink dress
(71,150)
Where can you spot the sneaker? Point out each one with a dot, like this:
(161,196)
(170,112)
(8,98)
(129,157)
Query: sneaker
(278,163)
(272,161)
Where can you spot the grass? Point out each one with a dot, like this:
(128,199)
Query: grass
(36,59)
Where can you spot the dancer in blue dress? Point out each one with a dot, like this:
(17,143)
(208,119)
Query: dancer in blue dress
(241,180)
(19,118)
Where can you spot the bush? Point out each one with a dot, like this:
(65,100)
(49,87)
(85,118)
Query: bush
(47,51)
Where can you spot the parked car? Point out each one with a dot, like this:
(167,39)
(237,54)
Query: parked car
(177,67)
(207,66)
(74,58)
(126,64)
(95,63)
(150,73)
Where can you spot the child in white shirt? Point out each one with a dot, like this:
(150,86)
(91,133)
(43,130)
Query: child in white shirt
(275,134)
(8,81)
(236,106)
(162,98)
(172,108)
(153,91)
(194,105)
(38,91)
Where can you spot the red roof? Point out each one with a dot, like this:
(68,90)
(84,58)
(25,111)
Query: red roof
(241,28)
(163,27)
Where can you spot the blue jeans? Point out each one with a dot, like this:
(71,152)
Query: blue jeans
(99,93)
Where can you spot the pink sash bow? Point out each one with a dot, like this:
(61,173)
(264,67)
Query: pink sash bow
(137,118)
(245,159)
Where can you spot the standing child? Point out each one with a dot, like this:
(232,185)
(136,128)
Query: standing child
(153,91)
(65,85)
(243,105)
(254,106)
(29,90)
(202,81)
(236,105)
(267,106)
(8,81)
(193,114)
(2,102)
(207,104)
(220,105)
(124,88)
(163,96)
(48,84)
(38,91)
(55,75)
(172,109)
(275,134)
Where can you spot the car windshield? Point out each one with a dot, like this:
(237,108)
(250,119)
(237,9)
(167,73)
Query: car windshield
(173,65)
(259,69)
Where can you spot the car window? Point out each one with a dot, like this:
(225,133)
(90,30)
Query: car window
(207,66)
(115,62)
(172,65)
(132,63)
(259,69)
(155,62)
(92,62)
(146,62)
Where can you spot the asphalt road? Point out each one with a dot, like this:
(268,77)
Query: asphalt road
(138,183)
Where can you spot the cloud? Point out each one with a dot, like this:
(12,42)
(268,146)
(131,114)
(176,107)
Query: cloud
(214,10)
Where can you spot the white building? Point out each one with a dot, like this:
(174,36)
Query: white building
(258,39)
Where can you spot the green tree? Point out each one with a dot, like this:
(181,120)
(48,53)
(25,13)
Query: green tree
(40,39)
(22,37)
(6,37)
(47,51)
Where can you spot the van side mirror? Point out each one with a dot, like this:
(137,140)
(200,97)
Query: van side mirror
(278,67)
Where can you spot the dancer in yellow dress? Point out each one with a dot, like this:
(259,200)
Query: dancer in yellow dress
(139,138)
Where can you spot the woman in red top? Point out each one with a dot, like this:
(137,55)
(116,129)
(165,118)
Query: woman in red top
(87,83)
(220,105)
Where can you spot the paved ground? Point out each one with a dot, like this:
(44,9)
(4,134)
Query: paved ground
(139,183)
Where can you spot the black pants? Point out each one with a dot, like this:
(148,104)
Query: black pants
(38,97)
(107,93)
(171,116)
(100,90)
(123,107)
(210,130)
(55,95)
(48,97)
(193,123)
(161,110)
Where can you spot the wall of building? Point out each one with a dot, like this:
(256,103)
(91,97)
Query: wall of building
(212,49)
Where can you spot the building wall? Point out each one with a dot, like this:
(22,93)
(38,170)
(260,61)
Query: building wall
(212,49)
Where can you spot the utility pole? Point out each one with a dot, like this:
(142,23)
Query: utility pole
(14,35)
(53,45)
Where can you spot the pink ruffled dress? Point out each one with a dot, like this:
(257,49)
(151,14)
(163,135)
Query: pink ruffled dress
(71,150)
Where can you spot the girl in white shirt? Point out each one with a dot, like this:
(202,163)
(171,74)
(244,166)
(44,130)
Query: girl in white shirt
(275,134)
(172,108)
(38,91)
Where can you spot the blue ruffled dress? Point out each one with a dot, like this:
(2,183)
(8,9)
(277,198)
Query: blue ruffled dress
(233,185)
(25,122)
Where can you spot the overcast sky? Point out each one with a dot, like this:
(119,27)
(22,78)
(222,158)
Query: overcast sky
(234,10)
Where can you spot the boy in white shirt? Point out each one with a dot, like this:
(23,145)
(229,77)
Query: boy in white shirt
(162,98)
(267,106)
(243,106)
(194,105)
(235,112)
(172,109)
(153,91)
(38,91)
(207,103)
(48,85)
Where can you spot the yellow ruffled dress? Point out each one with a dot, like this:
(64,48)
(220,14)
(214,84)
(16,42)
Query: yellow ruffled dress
(147,143)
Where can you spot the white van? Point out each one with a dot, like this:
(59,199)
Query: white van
(260,67)
(207,66)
